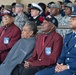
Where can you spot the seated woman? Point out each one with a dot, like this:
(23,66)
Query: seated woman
(22,49)
(46,52)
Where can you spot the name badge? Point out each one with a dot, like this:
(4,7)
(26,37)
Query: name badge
(6,40)
(48,50)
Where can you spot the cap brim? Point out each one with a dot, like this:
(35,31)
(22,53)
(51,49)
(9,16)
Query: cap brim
(50,20)
(6,14)
(73,15)
(35,8)
(68,6)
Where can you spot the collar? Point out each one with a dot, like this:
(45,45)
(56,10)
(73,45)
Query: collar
(74,32)
(6,27)
(47,33)
(35,17)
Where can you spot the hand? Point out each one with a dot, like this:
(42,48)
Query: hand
(60,67)
(64,67)
(27,64)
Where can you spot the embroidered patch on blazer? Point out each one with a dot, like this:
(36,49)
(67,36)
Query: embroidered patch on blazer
(6,40)
(48,50)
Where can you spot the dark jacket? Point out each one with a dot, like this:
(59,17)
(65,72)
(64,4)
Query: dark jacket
(68,55)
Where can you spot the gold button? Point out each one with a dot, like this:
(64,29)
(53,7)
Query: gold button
(39,59)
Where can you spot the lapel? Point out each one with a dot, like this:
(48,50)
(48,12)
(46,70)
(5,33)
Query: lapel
(47,41)
(8,30)
(73,43)
(1,32)
(67,39)
(1,29)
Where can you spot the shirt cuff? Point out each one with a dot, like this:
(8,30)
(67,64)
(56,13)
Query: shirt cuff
(68,67)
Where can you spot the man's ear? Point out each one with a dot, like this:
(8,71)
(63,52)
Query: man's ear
(52,27)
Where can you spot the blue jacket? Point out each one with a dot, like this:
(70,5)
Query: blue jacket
(68,55)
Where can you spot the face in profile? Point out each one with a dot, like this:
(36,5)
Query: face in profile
(18,9)
(13,10)
(7,19)
(26,32)
(73,22)
(49,10)
(67,11)
(34,12)
(54,11)
(46,26)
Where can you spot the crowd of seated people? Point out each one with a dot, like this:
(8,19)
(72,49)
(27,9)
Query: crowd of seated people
(35,12)
(66,62)
(26,51)
(21,50)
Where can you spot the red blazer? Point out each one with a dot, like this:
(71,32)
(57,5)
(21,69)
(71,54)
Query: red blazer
(54,41)
(13,33)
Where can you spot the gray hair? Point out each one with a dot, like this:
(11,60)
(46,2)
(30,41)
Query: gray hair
(32,25)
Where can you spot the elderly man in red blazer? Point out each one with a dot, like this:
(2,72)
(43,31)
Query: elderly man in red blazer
(9,34)
(47,50)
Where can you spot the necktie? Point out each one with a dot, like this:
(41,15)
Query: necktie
(43,40)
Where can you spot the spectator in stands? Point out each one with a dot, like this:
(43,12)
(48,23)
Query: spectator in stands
(43,6)
(66,1)
(22,49)
(68,11)
(36,10)
(9,35)
(47,50)
(2,8)
(66,64)
(55,11)
(28,10)
(49,8)
(13,9)
(59,2)
(21,18)
(62,8)
(75,2)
